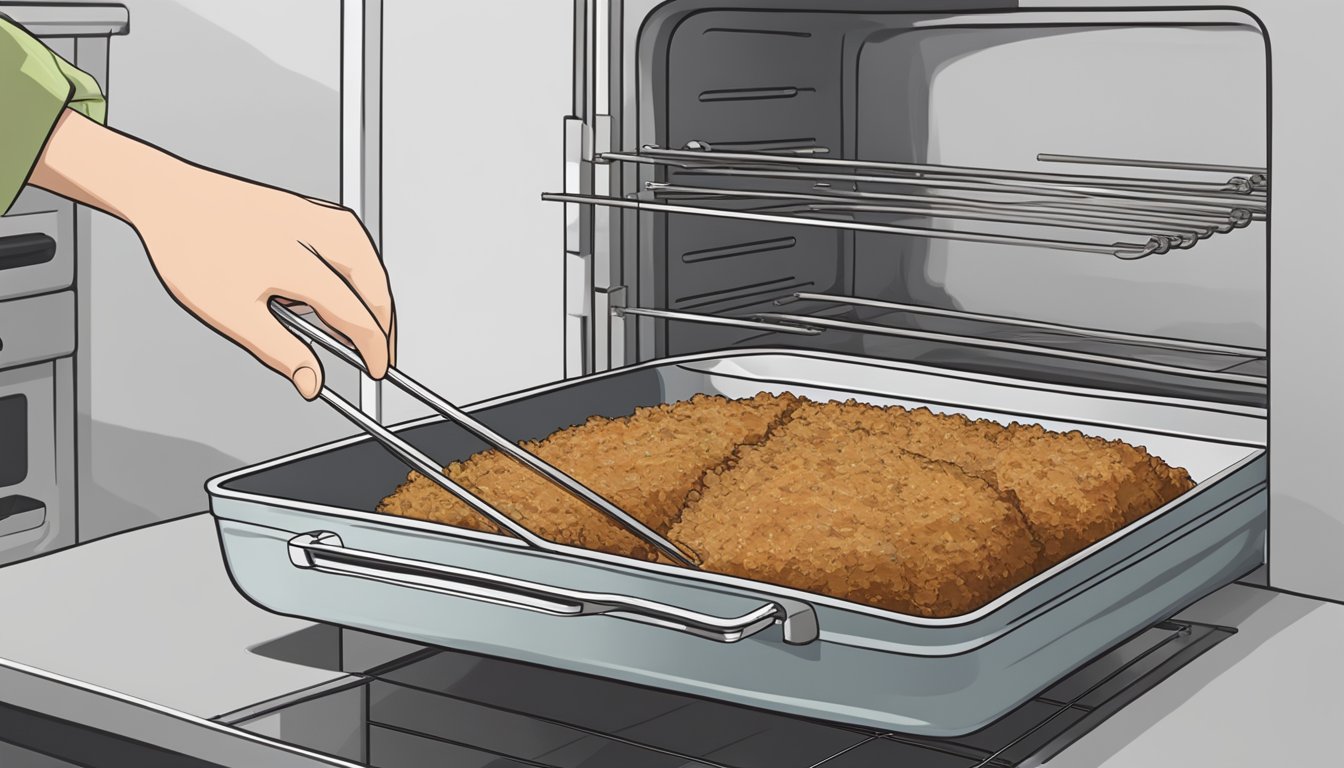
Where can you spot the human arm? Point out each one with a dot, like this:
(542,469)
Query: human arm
(36,86)
(222,246)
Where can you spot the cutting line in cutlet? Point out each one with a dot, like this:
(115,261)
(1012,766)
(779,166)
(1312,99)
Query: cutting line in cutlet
(949,455)
(1074,489)
(785,417)
(827,508)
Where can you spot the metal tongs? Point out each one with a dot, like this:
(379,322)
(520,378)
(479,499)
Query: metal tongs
(422,463)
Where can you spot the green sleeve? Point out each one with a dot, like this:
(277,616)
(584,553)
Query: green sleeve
(35,85)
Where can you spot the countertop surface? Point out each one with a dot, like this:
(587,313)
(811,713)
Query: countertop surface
(1270,695)
(152,614)
(143,634)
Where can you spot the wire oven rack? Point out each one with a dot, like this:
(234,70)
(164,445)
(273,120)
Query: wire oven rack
(1154,216)
(1165,214)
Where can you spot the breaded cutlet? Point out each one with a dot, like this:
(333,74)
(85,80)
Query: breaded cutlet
(1074,489)
(1077,490)
(822,507)
(644,463)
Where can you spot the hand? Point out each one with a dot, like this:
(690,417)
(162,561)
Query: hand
(224,247)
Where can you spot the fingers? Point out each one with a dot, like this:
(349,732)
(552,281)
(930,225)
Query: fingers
(323,290)
(301,309)
(281,351)
(323,203)
(347,247)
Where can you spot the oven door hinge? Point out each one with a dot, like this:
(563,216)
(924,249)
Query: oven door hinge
(578,280)
(609,346)
(606,269)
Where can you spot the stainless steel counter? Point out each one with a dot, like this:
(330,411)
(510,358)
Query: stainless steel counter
(143,636)
(1270,695)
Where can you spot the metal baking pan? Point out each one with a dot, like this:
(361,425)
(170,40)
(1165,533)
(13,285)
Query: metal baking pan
(299,538)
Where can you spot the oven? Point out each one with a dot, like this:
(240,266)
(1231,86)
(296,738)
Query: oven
(37,339)
(42,238)
(1053,214)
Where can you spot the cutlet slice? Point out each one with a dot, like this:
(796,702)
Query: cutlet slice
(1074,489)
(644,463)
(825,508)
(1077,490)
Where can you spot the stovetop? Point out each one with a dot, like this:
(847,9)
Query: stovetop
(440,707)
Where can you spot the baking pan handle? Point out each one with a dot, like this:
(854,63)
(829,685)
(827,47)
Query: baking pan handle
(324,551)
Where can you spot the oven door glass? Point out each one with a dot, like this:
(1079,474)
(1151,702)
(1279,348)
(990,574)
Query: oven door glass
(28,458)
(13,439)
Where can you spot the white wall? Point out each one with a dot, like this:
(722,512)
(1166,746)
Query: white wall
(474,95)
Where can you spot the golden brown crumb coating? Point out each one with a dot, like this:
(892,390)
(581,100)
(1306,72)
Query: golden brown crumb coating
(1077,490)
(822,507)
(644,463)
(917,512)
(1074,489)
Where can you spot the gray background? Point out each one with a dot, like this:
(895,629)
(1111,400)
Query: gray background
(474,95)
(251,87)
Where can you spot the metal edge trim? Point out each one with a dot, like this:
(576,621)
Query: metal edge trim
(239,717)
(69,20)
(196,720)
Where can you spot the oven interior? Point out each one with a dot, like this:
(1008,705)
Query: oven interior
(757,123)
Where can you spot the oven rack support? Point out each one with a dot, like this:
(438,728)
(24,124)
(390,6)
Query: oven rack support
(811,325)
(1154,216)
(1157,342)
(1234,185)
(1201,225)
(1122,250)
(1259,177)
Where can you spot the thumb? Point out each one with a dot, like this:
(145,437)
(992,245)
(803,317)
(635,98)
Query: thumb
(283,352)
